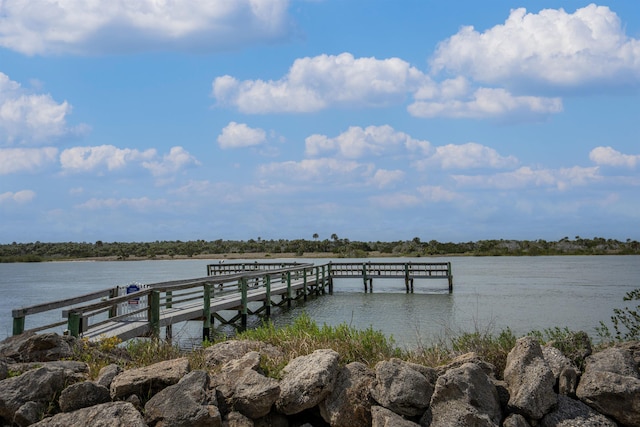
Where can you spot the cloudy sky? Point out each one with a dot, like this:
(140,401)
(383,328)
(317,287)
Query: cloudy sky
(373,120)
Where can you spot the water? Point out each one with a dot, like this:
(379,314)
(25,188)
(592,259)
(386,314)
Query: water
(490,294)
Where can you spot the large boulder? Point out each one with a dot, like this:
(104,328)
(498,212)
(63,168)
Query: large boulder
(147,381)
(564,370)
(349,404)
(529,379)
(611,385)
(383,417)
(244,389)
(31,347)
(470,357)
(401,388)
(573,413)
(112,414)
(107,374)
(185,404)
(226,351)
(465,396)
(41,385)
(82,395)
(307,380)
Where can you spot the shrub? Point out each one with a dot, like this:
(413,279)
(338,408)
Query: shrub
(626,321)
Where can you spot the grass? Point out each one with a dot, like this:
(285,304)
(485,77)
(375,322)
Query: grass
(304,336)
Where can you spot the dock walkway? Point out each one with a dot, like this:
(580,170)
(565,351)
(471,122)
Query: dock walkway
(242,289)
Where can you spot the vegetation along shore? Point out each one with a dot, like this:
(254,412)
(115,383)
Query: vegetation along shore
(315,248)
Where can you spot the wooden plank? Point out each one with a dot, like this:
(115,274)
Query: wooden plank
(39,308)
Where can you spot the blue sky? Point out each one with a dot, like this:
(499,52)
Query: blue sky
(372,120)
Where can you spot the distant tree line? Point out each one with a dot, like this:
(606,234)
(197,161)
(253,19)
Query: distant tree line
(339,247)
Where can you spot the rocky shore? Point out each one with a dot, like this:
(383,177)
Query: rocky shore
(540,387)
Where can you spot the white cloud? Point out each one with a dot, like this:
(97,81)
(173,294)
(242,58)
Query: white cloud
(137,204)
(89,27)
(467,156)
(14,160)
(607,156)
(237,135)
(526,177)
(316,169)
(86,159)
(357,142)
(486,103)
(19,197)
(313,84)
(433,193)
(552,47)
(177,159)
(29,118)
(384,178)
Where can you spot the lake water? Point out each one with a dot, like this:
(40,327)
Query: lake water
(489,293)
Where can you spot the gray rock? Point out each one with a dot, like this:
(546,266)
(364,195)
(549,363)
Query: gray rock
(4,370)
(29,413)
(383,417)
(612,394)
(112,414)
(273,419)
(573,413)
(147,381)
(245,389)
(471,357)
(236,419)
(107,374)
(465,396)
(31,347)
(183,404)
(39,385)
(515,420)
(82,395)
(401,388)
(617,360)
(556,360)
(349,404)
(307,380)
(226,351)
(568,382)
(529,380)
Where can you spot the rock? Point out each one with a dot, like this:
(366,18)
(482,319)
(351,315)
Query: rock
(529,380)
(556,360)
(77,370)
(634,348)
(611,386)
(244,389)
(236,419)
(31,347)
(39,385)
(112,414)
(573,413)
(515,420)
(29,413)
(226,351)
(400,388)
(383,417)
(471,357)
(4,370)
(273,419)
(147,381)
(307,380)
(82,395)
(349,404)
(107,374)
(465,396)
(183,404)
(568,382)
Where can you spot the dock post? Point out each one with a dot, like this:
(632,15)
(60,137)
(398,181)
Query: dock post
(450,274)
(243,317)
(113,311)
(406,277)
(169,299)
(318,283)
(73,323)
(288,289)
(18,325)
(364,277)
(154,312)
(323,281)
(330,279)
(304,284)
(267,279)
(206,312)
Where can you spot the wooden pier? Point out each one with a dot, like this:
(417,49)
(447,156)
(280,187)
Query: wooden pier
(241,288)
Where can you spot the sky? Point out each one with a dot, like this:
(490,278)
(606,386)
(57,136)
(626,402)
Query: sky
(374,120)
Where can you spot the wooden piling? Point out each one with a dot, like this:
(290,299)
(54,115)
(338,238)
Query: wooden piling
(206,312)
(154,312)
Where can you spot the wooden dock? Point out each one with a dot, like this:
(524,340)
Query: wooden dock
(242,289)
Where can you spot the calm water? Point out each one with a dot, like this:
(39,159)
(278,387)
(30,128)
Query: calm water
(490,293)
